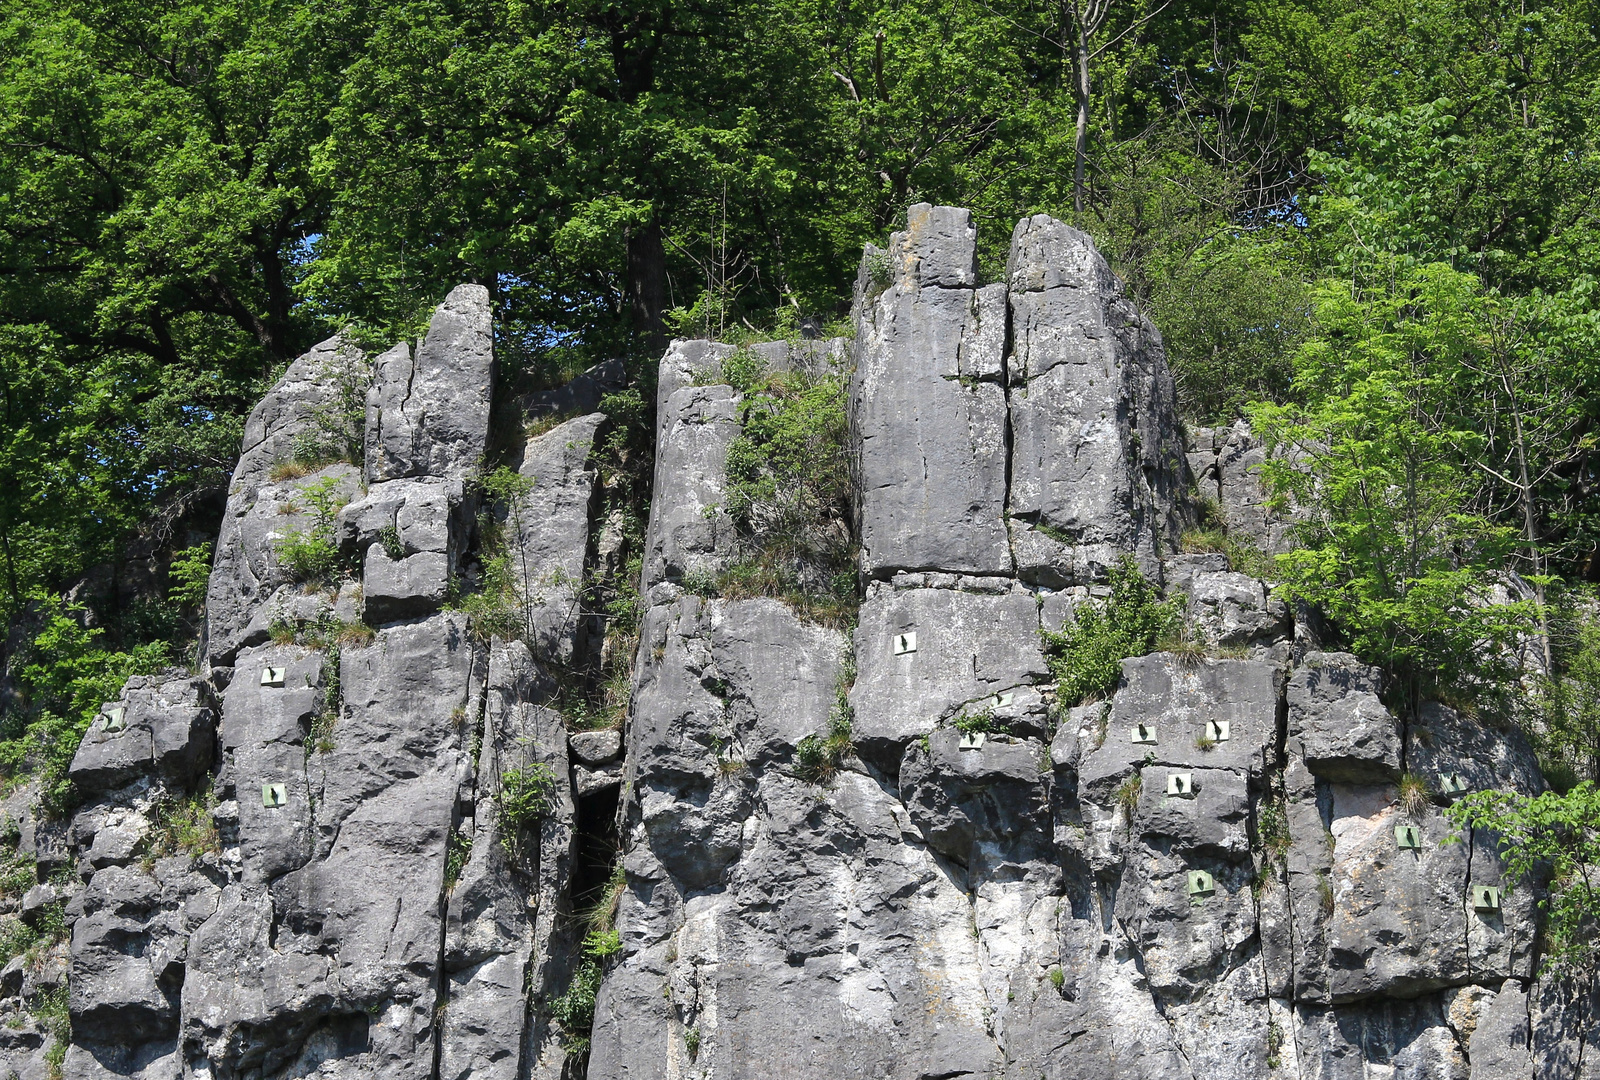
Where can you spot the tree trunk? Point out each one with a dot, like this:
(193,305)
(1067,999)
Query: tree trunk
(1082,91)
(647,261)
(1530,531)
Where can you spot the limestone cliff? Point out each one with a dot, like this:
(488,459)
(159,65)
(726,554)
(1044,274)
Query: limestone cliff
(1208,876)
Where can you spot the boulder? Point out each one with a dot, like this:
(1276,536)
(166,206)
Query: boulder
(551,523)
(161,728)
(1096,461)
(596,747)
(1345,732)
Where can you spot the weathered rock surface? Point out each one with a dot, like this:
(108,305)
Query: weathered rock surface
(411,533)
(1226,464)
(929,403)
(1345,732)
(245,571)
(552,526)
(691,535)
(428,409)
(1096,462)
(1212,873)
(161,727)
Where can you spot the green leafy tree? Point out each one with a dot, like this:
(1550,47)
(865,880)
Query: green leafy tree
(68,674)
(1552,834)
(1391,544)
(1567,721)
(155,206)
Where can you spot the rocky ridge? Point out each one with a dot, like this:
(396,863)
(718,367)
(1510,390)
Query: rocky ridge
(1209,875)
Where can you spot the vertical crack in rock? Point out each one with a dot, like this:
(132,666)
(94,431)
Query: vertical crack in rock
(1466,901)
(1006,360)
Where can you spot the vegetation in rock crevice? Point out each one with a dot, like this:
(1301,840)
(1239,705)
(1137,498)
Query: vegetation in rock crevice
(525,796)
(499,604)
(574,1008)
(1211,535)
(1086,655)
(819,756)
(312,553)
(183,825)
(1391,276)
(788,494)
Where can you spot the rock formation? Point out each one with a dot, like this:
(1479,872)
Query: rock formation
(1210,875)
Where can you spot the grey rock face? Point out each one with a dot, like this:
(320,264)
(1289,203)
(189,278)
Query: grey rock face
(1226,608)
(1455,755)
(926,654)
(1096,464)
(428,411)
(360,910)
(259,510)
(129,947)
(1211,873)
(815,357)
(928,403)
(1345,732)
(410,533)
(400,588)
(1172,713)
(1226,464)
(692,533)
(552,523)
(160,727)
(315,932)
(505,928)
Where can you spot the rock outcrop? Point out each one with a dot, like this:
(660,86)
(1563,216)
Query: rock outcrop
(1209,875)
(879,850)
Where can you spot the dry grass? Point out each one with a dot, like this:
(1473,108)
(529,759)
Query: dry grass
(543,425)
(354,633)
(1243,554)
(1415,795)
(1127,794)
(290,470)
(1185,649)
(602,916)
